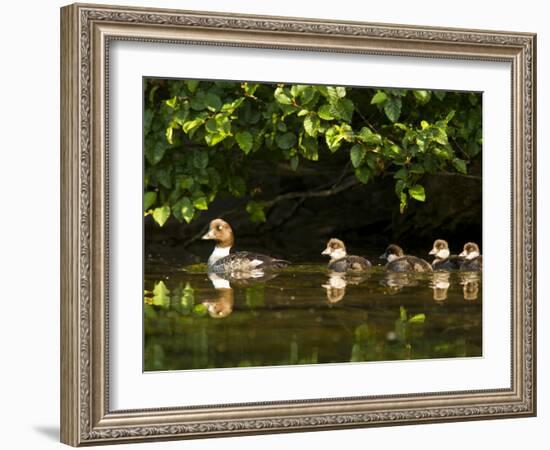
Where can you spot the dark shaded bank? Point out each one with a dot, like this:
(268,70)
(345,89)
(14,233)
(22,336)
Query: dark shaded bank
(366,217)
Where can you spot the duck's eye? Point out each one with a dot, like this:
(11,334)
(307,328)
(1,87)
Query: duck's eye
(219,227)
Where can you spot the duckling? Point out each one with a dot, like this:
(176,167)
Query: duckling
(399,262)
(473,261)
(221,261)
(443,258)
(340,261)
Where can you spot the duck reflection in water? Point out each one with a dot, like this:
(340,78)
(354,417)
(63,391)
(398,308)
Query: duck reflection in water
(396,281)
(337,282)
(440,285)
(222,305)
(470,285)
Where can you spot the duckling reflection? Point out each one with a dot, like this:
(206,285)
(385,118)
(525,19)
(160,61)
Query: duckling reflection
(337,282)
(440,285)
(470,285)
(396,281)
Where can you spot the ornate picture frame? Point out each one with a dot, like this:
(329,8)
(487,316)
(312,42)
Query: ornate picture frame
(86,34)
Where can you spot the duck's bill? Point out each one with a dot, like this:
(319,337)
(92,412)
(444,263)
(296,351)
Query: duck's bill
(208,235)
(462,255)
(383,256)
(433,252)
(326,251)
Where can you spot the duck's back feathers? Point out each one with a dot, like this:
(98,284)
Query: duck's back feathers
(453,262)
(246,262)
(473,265)
(350,263)
(409,263)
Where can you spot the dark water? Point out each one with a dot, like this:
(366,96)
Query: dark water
(305,315)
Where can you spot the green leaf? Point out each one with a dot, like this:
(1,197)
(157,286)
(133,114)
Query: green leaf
(184,209)
(460,165)
(392,108)
(187,182)
(325,112)
(197,102)
(215,138)
(282,96)
(200,310)
(192,125)
(417,168)
(237,186)
(200,203)
(245,141)
(192,85)
(342,109)
(172,102)
(417,318)
(256,211)
(402,201)
(440,94)
(149,199)
(309,147)
(333,138)
(368,137)
(379,97)
(422,96)
(357,155)
(363,174)
(161,294)
(286,141)
(401,174)
(417,192)
(335,134)
(294,161)
(312,124)
(161,214)
(212,102)
(154,154)
(200,159)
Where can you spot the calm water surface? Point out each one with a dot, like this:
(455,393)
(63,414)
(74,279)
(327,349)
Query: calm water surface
(306,315)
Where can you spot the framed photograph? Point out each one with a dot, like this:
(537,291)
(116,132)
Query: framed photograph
(277,224)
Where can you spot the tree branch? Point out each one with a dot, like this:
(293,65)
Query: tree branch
(311,194)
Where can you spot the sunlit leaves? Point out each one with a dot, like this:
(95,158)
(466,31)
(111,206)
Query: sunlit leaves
(417,192)
(184,209)
(325,112)
(379,97)
(161,214)
(312,124)
(202,138)
(282,96)
(336,134)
